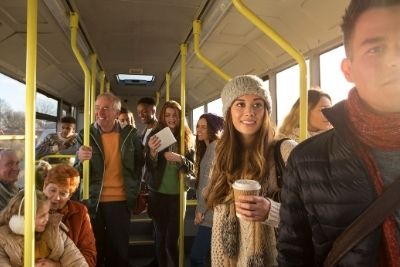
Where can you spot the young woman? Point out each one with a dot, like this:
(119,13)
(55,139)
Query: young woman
(245,151)
(53,248)
(60,184)
(317,123)
(125,117)
(209,129)
(163,169)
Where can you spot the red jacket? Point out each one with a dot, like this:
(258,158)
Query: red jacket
(76,218)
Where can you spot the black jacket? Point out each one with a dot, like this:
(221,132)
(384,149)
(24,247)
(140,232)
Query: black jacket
(326,187)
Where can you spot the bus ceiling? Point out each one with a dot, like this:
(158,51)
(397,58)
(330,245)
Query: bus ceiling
(146,35)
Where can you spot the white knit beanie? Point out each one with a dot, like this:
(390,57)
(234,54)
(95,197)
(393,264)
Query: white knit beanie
(244,85)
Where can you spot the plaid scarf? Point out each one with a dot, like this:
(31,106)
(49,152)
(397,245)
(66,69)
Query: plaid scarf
(380,132)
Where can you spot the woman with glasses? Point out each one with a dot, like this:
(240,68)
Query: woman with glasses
(59,184)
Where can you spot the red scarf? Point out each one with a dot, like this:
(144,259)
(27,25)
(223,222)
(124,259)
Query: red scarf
(381,132)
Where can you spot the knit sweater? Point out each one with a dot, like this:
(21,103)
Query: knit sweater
(245,240)
(205,172)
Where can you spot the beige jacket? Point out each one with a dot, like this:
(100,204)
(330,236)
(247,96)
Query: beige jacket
(62,248)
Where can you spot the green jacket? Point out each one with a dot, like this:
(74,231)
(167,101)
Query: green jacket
(131,160)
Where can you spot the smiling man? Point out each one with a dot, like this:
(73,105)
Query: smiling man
(115,162)
(334,177)
(9,170)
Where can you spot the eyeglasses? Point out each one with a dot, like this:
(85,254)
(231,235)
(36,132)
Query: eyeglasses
(53,191)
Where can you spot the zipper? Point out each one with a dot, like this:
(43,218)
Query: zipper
(104,169)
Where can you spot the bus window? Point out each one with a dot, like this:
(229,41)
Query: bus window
(215,107)
(288,89)
(197,112)
(332,79)
(46,105)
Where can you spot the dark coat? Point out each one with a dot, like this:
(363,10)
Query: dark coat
(131,160)
(326,187)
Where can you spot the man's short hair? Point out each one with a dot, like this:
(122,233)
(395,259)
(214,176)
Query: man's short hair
(147,100)
(355,9)
(68,119)
(115,99)
(4,151)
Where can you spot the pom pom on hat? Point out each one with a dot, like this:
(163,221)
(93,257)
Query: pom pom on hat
(244,85)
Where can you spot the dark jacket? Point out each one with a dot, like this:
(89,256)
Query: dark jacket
(326,187)
(131,160)
(155,167)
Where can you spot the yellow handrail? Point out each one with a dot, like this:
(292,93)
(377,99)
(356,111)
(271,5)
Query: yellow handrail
(167,85)
(12,137)
(182,195)
(58,156)
(102,77)
(212,66)
(157,98)
(253,18)
(30,104)
(86,119)
(93,59)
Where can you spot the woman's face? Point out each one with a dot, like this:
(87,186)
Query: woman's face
(58,195)
(171,117)
(124,119)
(202,130)
(247,114)
(42,217)
(317,121)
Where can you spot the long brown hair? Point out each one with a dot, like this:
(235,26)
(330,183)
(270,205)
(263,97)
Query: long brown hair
(188,138)
(201,147)
(233,160)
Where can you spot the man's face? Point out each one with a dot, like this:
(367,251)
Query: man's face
(374,64)
(9,167)
(146,113)
(67,129)
(105,113)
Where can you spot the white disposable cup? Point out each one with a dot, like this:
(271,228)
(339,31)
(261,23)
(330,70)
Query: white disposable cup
(245,187)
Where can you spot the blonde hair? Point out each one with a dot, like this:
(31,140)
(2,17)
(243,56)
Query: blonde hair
(14,203)
(232,160)
(291,120)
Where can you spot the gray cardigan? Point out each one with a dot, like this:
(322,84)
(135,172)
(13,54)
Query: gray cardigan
(205,173)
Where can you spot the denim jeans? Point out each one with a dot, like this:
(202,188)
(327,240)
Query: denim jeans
(201,247)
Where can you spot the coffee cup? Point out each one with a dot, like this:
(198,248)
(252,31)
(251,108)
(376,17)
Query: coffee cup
(245,187)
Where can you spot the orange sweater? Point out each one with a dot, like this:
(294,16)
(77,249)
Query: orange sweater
(113,184)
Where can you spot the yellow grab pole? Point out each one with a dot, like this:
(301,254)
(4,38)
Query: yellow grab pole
(182,208)
(157,98)
(86,118)
(168,85)
(108,87)
(102,77)
(253,18)
(93,59)
(30,113)
(212,66)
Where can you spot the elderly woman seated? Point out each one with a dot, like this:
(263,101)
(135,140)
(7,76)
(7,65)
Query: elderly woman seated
(59,184)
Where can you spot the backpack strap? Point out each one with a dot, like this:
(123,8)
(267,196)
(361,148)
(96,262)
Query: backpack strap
(279,167)
(364,224)
(279,162)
